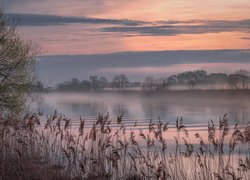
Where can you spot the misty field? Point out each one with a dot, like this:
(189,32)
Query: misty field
(60,149)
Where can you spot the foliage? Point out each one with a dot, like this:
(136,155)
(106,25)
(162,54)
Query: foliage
(17,66)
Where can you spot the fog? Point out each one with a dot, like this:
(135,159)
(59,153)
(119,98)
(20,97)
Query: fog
(138,65)
(196,108)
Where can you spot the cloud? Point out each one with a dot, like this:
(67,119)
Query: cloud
(150,58)
(60,68)
(171,28)
(245,38)
(94,8)
(137,28)
(48,20)
(134,9)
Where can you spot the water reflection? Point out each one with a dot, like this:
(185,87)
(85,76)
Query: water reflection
(143,107)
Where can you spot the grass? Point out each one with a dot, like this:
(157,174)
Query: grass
(109,150)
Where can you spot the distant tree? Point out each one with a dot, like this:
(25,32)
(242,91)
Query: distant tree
(61,86)
(86,85)
(185,77)
(200,76)
(215,78)
(135,84)
(192,78)
(172,80)
(38,87)
(192,83)
(120,81)
(74,84)
(233,81)
(17,66)
(148,83)
(244,77)
(103,82)
(161,84)
(94,82)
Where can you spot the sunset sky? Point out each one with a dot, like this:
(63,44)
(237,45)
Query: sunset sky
(84,29)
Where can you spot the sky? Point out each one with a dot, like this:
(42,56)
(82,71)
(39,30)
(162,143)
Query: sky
(97,29)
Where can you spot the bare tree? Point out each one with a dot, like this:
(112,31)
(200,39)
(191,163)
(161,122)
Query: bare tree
(103,82)
(17,66)
(148,83)
(120,81)
(172,80)
(233,81)
(192,78)
(161,84)
(244,77)
(94,82)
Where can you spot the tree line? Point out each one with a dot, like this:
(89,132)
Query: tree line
(95,83)
(240,79)
(189,79)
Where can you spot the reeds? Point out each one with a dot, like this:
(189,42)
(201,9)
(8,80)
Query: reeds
(110,150)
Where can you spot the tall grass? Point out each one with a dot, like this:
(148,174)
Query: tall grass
(29,150)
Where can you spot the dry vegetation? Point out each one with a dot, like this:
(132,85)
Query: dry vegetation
(29,150)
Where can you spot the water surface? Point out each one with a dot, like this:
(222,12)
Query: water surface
(195,108)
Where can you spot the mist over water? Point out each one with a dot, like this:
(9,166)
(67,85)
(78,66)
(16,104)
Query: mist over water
(196,109)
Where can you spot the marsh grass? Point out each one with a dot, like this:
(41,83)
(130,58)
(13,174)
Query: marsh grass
(29,150)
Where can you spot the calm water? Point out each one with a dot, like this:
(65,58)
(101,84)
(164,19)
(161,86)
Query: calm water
(196,110)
